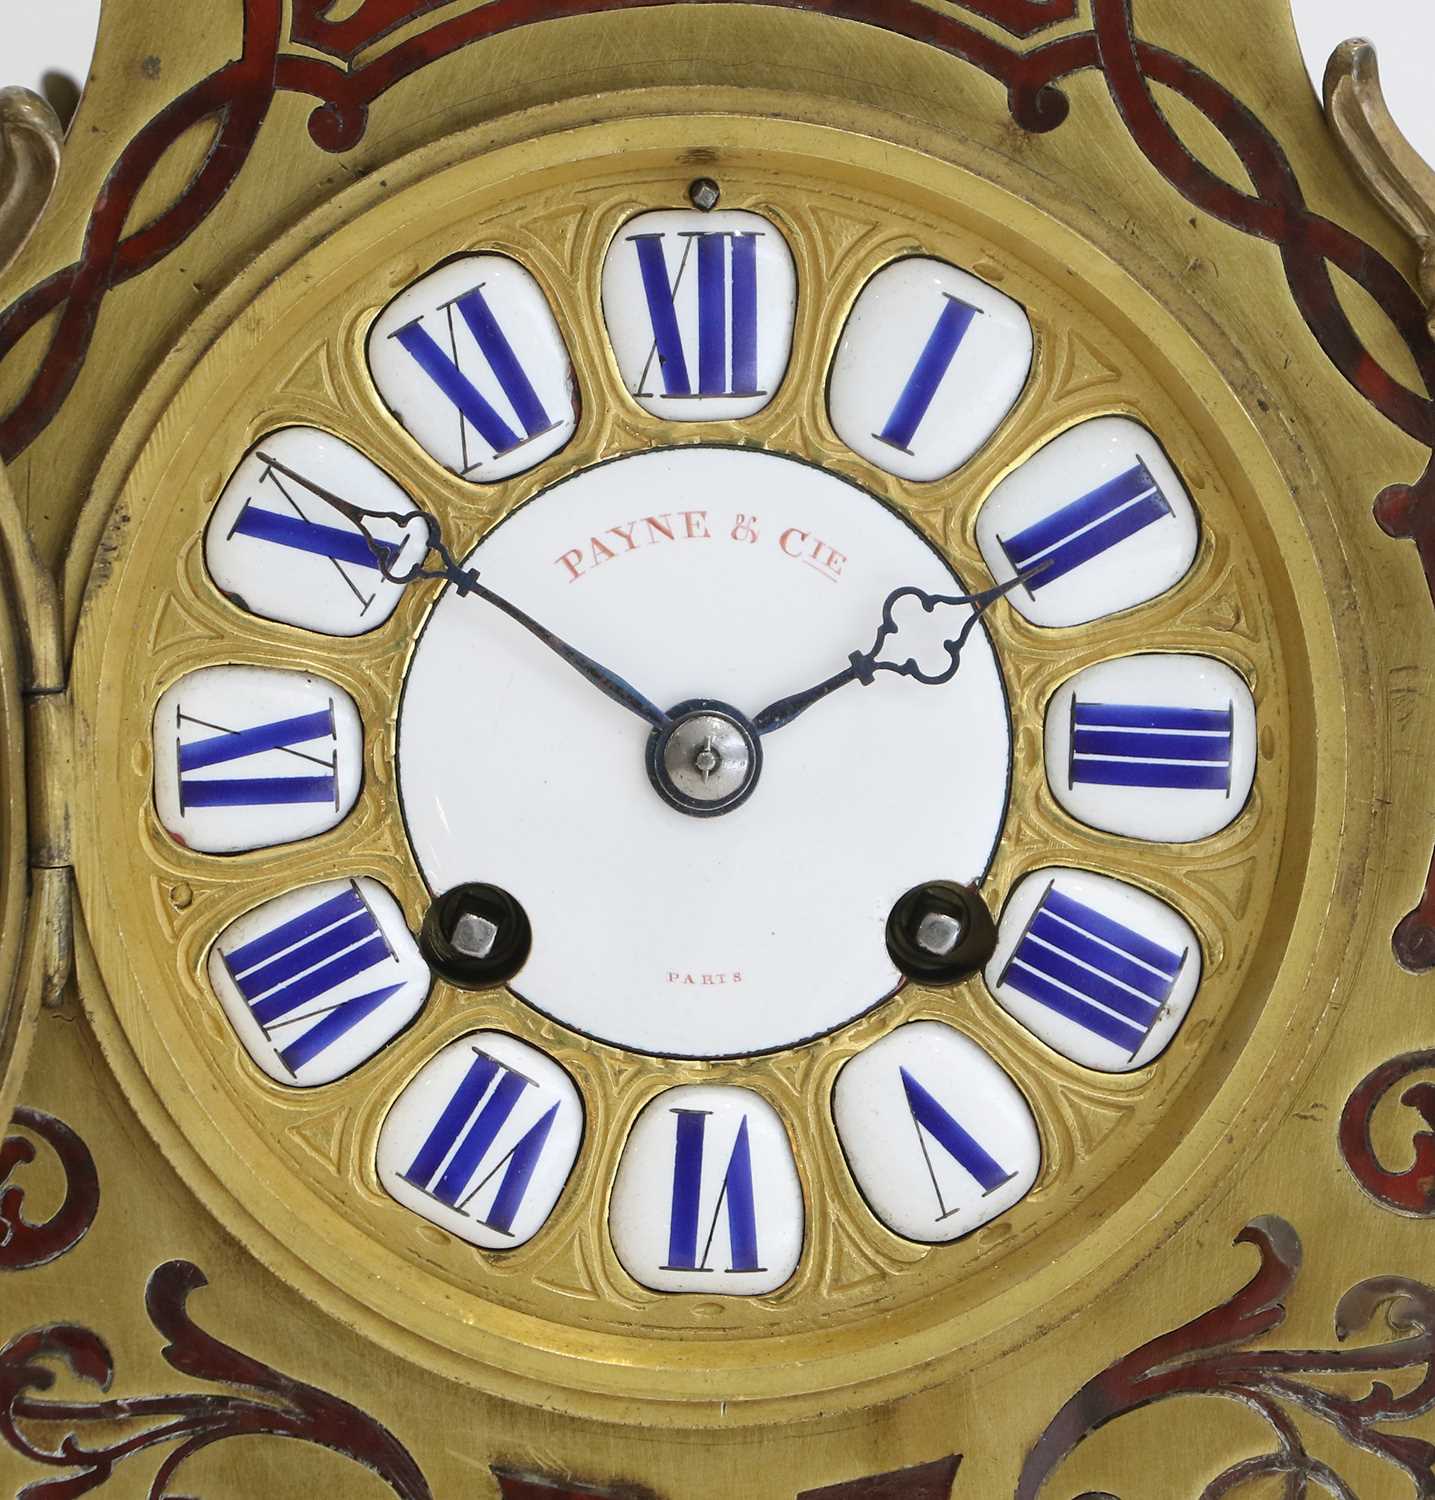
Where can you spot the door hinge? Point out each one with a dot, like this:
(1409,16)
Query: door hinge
(49,754)
(50,759)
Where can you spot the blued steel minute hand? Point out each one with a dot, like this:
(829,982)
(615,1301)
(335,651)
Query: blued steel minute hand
(902,646)
(388,552)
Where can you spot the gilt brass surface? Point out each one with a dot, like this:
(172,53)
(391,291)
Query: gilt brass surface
(295,354)
(493,1372)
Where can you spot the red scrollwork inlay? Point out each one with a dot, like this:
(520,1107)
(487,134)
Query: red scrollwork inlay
(238,97)
(348,36)
(931,1481)
(24,1245)
(1413,1190)
(280,1406)
(1210,1356)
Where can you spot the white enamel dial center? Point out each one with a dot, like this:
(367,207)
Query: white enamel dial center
(700,576)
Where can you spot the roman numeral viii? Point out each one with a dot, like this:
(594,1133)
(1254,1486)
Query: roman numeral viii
(289,976)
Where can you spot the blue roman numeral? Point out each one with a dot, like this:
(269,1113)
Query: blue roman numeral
(932,365)
(1087,527)
(727,277)
(237,744)
(282,973)
(1119,744)
(736,1193)
(304,536)
(462,1138)
(929,1118)
(1093,970)
(345,547)
(472,407)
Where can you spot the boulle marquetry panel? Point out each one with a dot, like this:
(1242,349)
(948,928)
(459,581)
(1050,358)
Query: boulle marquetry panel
(739,758)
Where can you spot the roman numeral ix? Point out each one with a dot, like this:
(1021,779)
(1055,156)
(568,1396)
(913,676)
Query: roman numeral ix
(226,745)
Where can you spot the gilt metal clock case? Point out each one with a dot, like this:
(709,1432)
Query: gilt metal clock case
(419,807)
(743,747)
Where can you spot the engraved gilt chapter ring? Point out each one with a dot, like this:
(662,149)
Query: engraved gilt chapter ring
(556,1313)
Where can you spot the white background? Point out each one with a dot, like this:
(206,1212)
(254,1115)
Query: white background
(60,34)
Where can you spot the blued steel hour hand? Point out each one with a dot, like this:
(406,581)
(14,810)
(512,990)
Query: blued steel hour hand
(921,636)
(402,542)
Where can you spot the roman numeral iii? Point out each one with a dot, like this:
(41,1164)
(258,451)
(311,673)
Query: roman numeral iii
(1121,744)
(1158,746)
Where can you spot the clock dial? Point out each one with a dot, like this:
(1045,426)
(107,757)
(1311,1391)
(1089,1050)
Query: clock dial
(728,577)
(758,665)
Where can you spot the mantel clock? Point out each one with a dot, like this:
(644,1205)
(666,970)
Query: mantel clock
(715,751)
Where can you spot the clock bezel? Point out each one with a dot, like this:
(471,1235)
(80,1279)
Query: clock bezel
(583,1386)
